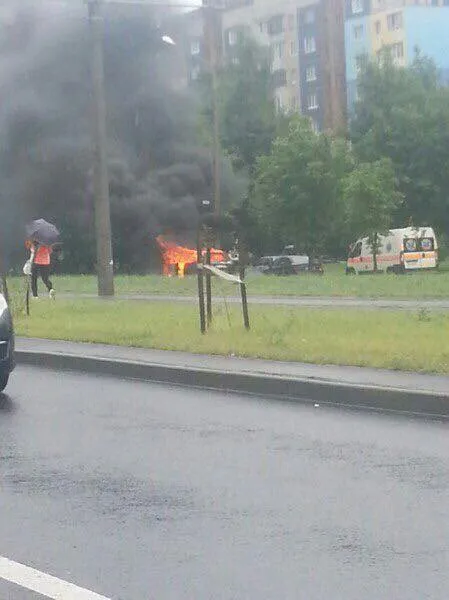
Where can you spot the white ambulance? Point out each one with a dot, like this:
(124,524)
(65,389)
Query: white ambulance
(407,249)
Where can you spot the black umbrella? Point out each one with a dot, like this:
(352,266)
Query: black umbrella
(42,232)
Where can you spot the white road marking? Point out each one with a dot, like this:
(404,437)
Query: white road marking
(42,583)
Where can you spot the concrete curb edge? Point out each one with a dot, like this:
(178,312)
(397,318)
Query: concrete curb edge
(306,390)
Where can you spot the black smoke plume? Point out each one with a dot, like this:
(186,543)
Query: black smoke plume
(159,171)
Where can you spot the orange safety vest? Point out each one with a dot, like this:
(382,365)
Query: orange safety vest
(42,256)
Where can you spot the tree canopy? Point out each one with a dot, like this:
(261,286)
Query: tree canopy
(403,114)
(371,198)
(298,188)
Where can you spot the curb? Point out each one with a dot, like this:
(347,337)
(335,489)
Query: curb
(304,390)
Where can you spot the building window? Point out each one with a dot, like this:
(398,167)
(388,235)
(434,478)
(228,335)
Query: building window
(356,7)
(397,51)
(311,73)
(279,78)
(233,37)
(279,104)
(378,27)
(394,21)
(276,25)
(293,76)
(309,45)
(357,32)
(278,51)
(312,102)
(195,73)
(195,47)
(293,48)
(315,126)
(263,27)
(360,63)
(309,16)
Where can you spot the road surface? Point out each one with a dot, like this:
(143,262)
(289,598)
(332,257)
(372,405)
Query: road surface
(327,302)
(139,491)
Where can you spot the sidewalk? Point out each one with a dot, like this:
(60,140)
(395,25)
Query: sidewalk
(413,382)
(348,386)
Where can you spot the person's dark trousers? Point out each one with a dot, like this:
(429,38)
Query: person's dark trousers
(44,272)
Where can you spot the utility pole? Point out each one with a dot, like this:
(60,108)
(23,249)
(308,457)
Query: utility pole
(105,264)
(211,16)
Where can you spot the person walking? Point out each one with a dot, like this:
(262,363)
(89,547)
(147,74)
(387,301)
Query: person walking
(40,266)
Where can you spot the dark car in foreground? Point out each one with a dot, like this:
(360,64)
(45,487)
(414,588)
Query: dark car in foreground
(6,343)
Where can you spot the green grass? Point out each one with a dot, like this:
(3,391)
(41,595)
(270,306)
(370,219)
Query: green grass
(333,283)
(394,340)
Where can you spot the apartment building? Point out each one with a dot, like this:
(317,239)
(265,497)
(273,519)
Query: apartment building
(400,28)
(271,23)
(306,38)
(322,81)
(306,43)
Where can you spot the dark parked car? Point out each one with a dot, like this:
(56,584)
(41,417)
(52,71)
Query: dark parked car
(6,343)
(289,265)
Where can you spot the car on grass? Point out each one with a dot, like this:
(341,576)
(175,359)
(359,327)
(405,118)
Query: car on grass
(288,265)
(6,343)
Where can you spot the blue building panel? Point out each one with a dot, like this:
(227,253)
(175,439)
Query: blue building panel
(356,47)
(427,28)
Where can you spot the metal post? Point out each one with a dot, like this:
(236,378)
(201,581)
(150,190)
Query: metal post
(244,301)
(243,262)
(200,275)
(103,233)
(27,295)
(208,287)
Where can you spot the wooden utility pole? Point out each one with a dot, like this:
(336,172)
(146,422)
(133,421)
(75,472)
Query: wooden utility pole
(212,31)
(105,264)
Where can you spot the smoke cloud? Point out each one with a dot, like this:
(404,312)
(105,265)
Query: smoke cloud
(159,171)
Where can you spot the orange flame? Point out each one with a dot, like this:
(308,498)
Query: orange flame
(177,258)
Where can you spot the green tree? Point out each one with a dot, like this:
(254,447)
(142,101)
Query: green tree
(371,199)
(248,118)
(403,114)
(298,192)
(247,114)
(248,124)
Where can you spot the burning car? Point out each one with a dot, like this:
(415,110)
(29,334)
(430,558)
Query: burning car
(180,260)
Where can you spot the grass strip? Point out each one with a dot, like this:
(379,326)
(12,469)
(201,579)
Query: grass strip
(424,285)
(416,341)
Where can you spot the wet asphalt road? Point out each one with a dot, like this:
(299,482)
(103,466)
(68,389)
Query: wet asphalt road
(140,491)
